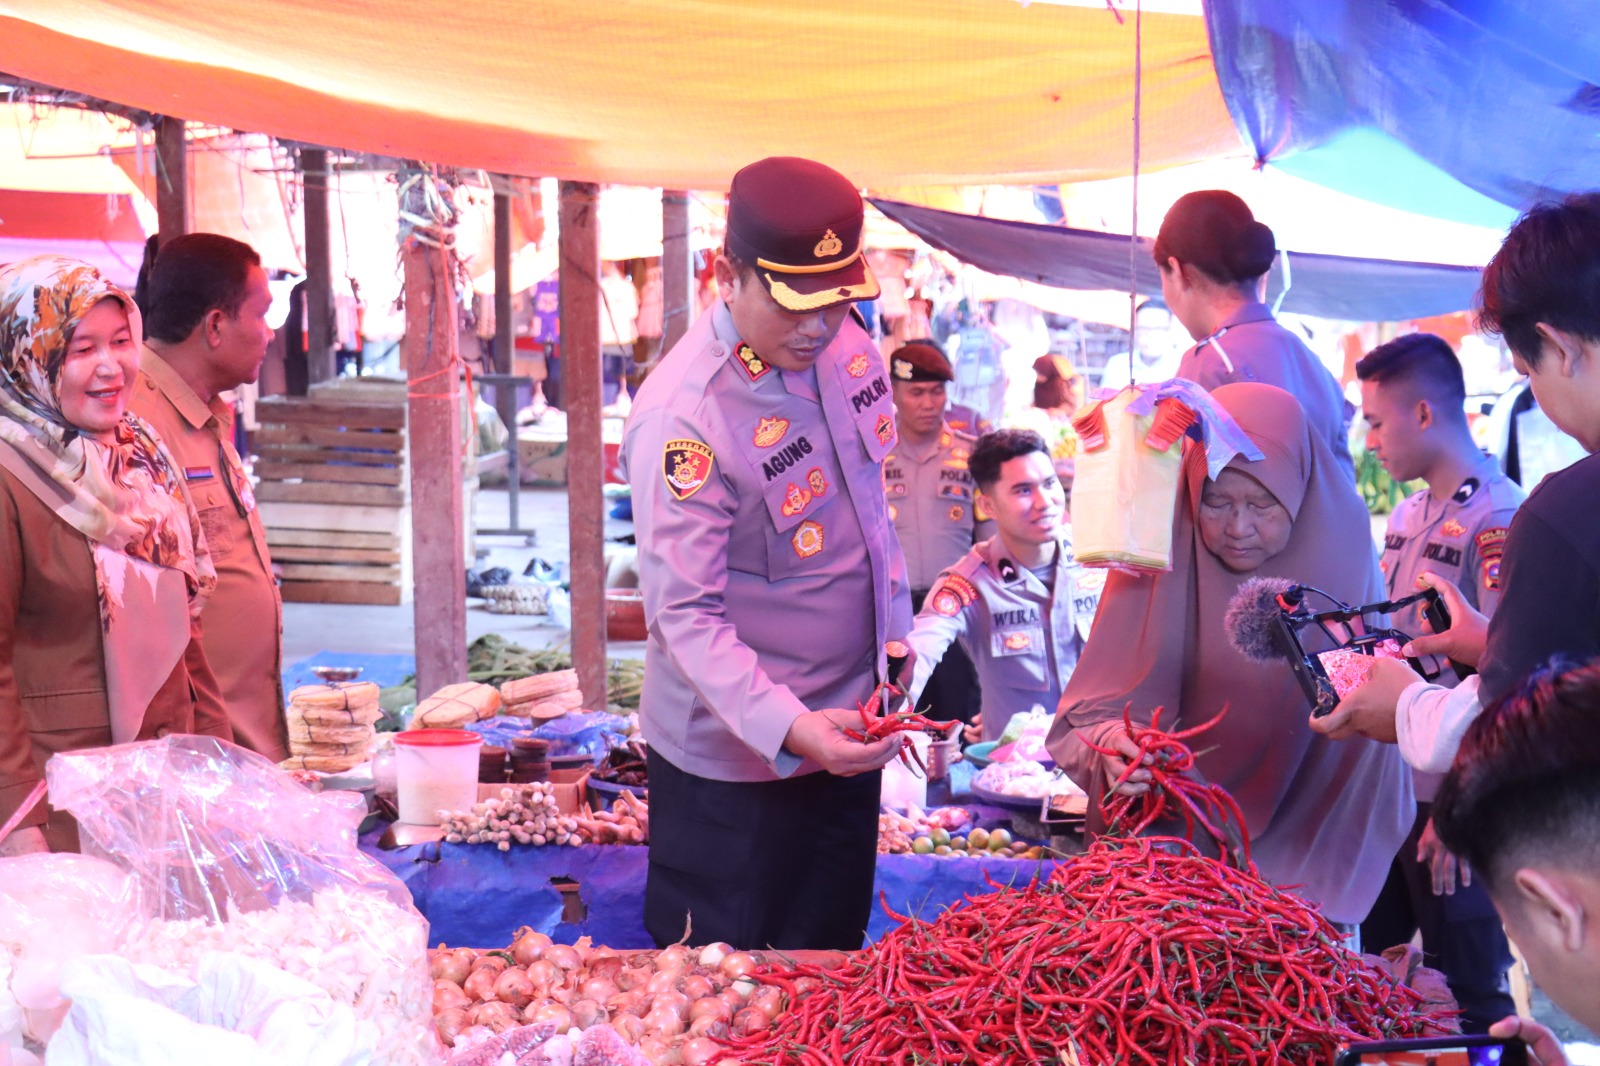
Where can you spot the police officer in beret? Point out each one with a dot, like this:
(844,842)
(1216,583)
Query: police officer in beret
(933,506)
(1018,602)
(772,580)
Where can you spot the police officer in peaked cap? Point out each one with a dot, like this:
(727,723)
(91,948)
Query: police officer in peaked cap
(936,512)
(771,576)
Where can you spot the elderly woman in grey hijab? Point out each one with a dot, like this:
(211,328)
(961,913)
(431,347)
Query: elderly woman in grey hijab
(1326,816)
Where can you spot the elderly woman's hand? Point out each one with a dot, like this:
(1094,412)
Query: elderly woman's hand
(1116,739)
(1369,711)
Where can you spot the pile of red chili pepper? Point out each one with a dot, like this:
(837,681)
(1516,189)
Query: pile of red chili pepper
(1137,951)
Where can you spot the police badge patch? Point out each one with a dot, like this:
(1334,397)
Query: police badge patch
(885,429)
(1017,641)
(1452,528)
(818,482)
(1491,546)
(795,500)
(957,513)
(807,539)
(859,366)
(770,430)
(686,466)
(952,595)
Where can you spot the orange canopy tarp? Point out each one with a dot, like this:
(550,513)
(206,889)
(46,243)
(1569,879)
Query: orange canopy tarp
(649,92)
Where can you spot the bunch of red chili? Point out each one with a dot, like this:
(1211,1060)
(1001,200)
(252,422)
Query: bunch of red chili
(876,724)
(1138,951)
(1172,791)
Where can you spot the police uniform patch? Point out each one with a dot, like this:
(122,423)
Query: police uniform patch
(1452,528)
(795,500)
(1088,579)
(961,454)
(894,513)
(770,430)
(1467,490)
(944,440)
(1008,570)
(1491,546)
(898,488)
(1017,641)
(753,364)
(686,466)
(952,595)
(885,429)
(807,539)
(957,513)
(953,490)
(817,480)
(859,366)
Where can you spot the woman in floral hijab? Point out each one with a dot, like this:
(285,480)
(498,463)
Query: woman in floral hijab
(103,569)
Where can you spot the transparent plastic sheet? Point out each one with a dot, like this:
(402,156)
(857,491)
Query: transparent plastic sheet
(53,909)
(231,855)
(1130,458)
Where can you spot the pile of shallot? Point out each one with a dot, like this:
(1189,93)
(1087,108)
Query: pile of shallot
(672,1005)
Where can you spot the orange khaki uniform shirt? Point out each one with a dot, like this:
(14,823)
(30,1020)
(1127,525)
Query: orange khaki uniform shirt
(243,620)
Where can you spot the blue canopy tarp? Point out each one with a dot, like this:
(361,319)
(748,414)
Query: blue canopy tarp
(1326,286)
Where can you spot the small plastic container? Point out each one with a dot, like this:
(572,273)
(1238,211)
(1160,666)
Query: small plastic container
(436,770)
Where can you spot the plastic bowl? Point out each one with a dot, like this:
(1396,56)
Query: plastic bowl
(978,754)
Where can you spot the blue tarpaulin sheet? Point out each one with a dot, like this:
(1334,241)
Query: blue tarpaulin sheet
(477,896)
(1500,95)
(385,670)
(1328,286)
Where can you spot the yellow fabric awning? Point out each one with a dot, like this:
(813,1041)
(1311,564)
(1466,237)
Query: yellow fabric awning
(653,92)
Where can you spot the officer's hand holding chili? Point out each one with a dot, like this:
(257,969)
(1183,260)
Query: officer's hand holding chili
(820,735)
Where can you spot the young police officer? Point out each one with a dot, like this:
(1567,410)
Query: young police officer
(1413,396)
(771,578)
(932,505)
(1017,602)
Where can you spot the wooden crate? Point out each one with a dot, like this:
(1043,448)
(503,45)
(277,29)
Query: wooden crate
(334,492)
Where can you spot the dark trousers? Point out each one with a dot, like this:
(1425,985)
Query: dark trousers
(1461,934)
(782,864)
(952,693)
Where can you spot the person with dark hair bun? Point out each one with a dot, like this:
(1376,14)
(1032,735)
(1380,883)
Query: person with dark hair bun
(1213,256)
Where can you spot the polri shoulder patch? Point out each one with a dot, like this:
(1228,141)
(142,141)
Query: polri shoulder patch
(1491,546)
(952,595)
(686,466)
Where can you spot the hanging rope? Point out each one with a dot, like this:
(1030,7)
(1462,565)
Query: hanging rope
(1133,235)
(428,217)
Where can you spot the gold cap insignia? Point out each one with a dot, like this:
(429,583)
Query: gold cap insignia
(829,245)
(902,369)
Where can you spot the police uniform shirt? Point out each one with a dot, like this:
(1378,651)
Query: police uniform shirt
(768,565)
(1023,637)
(1461,539)
(933,505)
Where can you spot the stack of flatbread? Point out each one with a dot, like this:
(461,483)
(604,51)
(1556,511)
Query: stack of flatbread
(331,725)
(542,695)
(456,705)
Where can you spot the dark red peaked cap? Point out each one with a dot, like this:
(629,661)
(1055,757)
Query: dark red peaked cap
(798,225)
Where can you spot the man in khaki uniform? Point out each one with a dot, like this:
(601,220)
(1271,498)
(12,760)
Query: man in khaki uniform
(205,333)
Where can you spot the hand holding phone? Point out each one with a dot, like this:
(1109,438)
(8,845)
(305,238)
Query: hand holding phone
(1459,1050)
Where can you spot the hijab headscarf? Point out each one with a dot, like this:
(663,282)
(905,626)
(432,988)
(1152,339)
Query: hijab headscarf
(1328,815)
(125,495)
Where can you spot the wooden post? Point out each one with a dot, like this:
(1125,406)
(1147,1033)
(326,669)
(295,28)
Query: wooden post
(581,389)
(172,179)
(505,394)
(434,444)
(677,268)
(321,363)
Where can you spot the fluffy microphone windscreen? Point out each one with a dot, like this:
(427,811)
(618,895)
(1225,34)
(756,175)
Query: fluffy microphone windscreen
(1248,622)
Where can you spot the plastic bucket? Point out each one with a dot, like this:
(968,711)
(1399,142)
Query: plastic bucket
(435,770)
